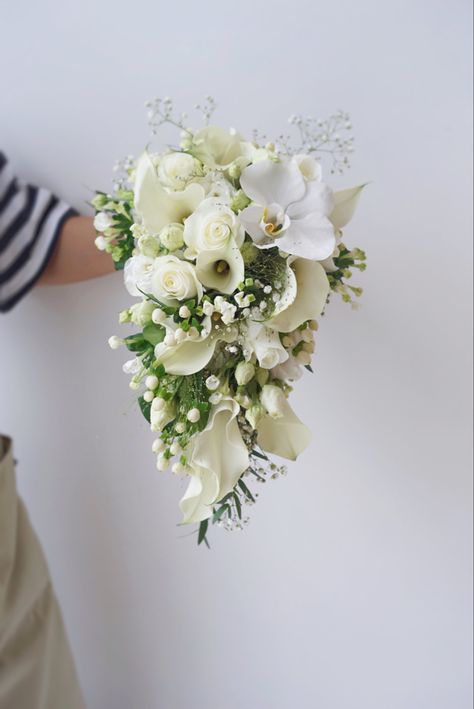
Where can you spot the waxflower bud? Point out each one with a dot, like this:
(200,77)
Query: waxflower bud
(171,236)
(193,415)
(262,376)
(240,201)
(149,246)
(244,372)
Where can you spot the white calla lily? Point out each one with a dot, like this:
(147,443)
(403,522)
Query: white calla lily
(308,288)
(157,207)
(217,458)
(222,270)
(192,355)
(288,211)
(345,203)
(281,432)
(217,147)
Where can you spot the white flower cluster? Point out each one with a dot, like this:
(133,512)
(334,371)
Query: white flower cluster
(233,251)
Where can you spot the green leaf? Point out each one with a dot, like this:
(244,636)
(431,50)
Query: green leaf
(202,532)
(238,505)
(145,408)
(259,455)
(136,343)
(309,368)
(154,334)
(245,490)
(219,513)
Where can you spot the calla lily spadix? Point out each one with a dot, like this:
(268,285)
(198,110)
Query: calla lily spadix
(287,211)
(158,207)
(221,270)
(217,457)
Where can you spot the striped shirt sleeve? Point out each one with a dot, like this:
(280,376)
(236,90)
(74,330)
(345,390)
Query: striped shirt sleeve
(31,219)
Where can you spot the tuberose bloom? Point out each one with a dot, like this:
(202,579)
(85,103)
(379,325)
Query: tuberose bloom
(287,211)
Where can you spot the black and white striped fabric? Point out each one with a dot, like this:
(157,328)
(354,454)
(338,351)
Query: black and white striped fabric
(31,219)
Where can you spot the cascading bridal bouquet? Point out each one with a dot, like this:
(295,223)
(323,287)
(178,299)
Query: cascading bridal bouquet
(231,248)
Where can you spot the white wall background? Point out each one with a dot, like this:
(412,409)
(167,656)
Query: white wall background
(351,586)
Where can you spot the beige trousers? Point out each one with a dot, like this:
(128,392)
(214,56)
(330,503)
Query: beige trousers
(36,666)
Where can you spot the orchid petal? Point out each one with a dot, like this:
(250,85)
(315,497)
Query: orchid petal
(266,182)
(311,237)
(251,218)
(319,198)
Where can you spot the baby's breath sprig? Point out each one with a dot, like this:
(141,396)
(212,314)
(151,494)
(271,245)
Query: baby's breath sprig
(330,136)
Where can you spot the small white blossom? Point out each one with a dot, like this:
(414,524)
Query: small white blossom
(212,382)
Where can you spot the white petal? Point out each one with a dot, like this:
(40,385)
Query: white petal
(285,436)
(218,457)
(208,275)
(186,358)
(220,447)
(250,218)
(196,503)
(319,198)
(155,205)
(311,295)
(311,237)
(266,182)
(345,203)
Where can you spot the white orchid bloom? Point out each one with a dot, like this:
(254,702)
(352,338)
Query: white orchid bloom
(281,432)
(266,345)
(304,297)
(217,458)
(156,206)
(288,211)
(216,147)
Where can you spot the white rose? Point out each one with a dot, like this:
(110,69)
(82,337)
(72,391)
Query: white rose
(171,236)
(103,221)
(174,280)
(138,273)
(212,227)
(175,170)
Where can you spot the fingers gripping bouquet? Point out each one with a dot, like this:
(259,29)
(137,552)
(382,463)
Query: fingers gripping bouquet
(231,249)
